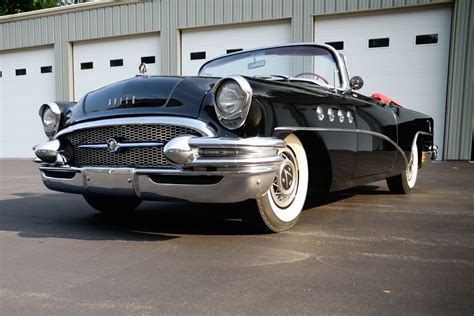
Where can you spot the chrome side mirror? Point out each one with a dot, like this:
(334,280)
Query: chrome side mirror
(355,83)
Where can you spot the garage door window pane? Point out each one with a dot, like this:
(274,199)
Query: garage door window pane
(20,72)
(116,62)
(46,69)
(426,39)
(88,65)
(233,50)
(379,42)
(197,55)
(336,45)
(148,59)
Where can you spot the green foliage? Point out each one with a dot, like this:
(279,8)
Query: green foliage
(17,6)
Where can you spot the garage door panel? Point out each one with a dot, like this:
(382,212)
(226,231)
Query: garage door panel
(21,97)
(198,46)
(99,63)
(414,75)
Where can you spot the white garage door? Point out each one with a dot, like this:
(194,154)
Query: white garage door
(198,46)
(26,82)
(403,55)
(99,63)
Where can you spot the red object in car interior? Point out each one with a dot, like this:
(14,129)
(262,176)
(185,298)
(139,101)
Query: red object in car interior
(383,98)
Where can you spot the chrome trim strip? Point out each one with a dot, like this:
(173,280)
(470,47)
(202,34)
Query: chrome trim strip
(223,171)
(221,142)
(344,130)
(123,145)
(93,146)
(234,162)
(143,120)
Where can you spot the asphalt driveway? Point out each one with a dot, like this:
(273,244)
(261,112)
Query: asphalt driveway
(362,251)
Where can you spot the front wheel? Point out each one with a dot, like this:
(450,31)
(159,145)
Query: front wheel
(112,205)
(405,182)
(280,207)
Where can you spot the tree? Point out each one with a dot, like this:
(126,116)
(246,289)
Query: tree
(18,6)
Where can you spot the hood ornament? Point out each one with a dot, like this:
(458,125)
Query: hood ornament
(143,69)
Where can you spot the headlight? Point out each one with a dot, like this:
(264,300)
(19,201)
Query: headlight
(230,98)
(50,120)
(50,116)
(233,96)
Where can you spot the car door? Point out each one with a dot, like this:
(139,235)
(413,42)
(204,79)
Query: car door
(377,133)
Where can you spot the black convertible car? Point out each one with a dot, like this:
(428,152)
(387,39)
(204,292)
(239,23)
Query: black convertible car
(270,125)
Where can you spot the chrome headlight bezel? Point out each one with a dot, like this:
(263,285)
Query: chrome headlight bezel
(51,108)
(236,118)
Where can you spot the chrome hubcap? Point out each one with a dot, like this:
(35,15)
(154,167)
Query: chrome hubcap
(285,185)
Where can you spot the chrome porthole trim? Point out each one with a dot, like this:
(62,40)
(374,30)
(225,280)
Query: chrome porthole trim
(350,118)
(320,113)
(341,116)
(331,115)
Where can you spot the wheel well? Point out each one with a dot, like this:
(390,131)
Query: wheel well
(319,164)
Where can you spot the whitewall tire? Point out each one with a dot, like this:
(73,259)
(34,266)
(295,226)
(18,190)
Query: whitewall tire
(404,183)
(280,207)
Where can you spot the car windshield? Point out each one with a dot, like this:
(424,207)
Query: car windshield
(309,62)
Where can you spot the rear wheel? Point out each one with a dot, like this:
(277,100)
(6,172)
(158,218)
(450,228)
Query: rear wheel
(405,182)
(112,205)
(280,207)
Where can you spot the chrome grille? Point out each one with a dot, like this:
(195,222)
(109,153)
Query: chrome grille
(145,157)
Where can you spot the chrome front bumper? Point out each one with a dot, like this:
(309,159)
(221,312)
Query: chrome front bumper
(208,169)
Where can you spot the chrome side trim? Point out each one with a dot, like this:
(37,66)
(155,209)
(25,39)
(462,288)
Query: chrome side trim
(143,120)
(344,130)
(123,145)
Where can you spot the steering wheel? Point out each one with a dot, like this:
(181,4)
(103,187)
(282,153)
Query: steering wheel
(314,75)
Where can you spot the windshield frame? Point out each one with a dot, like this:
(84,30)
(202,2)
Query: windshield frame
(340,63)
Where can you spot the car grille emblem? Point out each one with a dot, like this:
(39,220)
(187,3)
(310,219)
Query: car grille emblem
(112,145)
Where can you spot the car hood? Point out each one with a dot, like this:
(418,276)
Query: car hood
(141,95)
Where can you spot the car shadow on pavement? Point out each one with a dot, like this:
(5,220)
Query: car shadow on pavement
(59,215)
(64,216)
